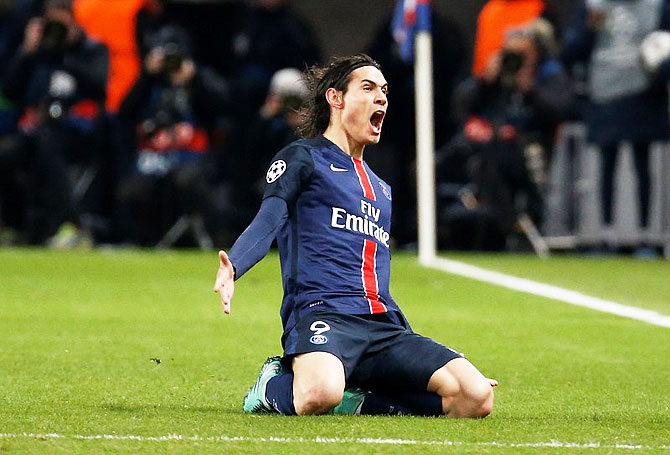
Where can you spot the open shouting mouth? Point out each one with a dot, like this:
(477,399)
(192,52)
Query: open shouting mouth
(376,121)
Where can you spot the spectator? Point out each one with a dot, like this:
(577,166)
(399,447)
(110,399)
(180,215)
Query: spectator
(627,102)
(274,127)
(57,81)
(172,112)
(510,115)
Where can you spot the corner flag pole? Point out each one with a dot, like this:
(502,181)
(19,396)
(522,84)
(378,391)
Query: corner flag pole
(425,135)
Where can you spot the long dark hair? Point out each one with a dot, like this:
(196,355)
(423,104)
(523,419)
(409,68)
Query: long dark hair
(319,79)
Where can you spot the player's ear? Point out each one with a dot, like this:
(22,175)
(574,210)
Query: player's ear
(335,98)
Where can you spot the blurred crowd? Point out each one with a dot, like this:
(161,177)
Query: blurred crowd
(606,67)
(128,122)
(124,122)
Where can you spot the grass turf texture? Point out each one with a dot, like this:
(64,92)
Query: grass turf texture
(82,334)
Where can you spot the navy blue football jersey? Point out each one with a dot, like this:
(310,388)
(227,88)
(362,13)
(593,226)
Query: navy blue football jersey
(334,247)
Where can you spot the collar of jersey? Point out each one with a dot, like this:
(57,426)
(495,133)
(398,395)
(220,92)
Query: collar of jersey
(336,148)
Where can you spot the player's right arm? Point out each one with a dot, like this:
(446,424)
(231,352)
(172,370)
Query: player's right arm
(289,172)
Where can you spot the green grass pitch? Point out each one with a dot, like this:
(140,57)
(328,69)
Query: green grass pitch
(129,352)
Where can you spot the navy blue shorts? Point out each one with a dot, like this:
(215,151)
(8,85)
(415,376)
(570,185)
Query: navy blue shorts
(379,352)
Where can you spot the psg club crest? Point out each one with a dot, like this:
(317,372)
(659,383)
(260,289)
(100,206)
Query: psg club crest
(276,170)
(386,191)
(318,339)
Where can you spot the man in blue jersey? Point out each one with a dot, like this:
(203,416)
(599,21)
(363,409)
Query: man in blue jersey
(348,349)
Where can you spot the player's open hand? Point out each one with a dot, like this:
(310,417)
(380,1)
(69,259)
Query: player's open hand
(225,284)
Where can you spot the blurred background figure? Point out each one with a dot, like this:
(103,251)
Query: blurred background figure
(627,101)
(273,128)
(170,117)
(498,162)
(56,80)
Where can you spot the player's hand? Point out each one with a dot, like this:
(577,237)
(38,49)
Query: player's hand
(225,284)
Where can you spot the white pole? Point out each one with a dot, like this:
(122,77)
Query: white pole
(425,147)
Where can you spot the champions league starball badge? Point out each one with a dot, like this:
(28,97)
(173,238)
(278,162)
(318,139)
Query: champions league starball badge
(276,170)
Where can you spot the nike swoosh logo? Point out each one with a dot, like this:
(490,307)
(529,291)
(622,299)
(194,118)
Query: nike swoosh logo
(337,169)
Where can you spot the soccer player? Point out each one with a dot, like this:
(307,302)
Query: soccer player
(348,349)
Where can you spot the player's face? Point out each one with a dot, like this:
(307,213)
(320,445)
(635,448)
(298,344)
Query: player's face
(365,103)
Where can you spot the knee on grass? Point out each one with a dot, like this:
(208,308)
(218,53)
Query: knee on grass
(317,399)
(476,401)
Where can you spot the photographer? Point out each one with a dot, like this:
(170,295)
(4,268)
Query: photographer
(57,79)
(510,115)
(170,117)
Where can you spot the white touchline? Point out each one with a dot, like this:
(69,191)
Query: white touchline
(548,291)
(322,440)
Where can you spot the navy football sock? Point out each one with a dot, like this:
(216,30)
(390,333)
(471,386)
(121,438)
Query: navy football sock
(279,392)
(416,404)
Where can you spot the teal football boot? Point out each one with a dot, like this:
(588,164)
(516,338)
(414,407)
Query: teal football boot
(255,401)
(351,402)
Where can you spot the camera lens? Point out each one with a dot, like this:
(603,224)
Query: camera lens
(173,58)
(53,35)
(511,63)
